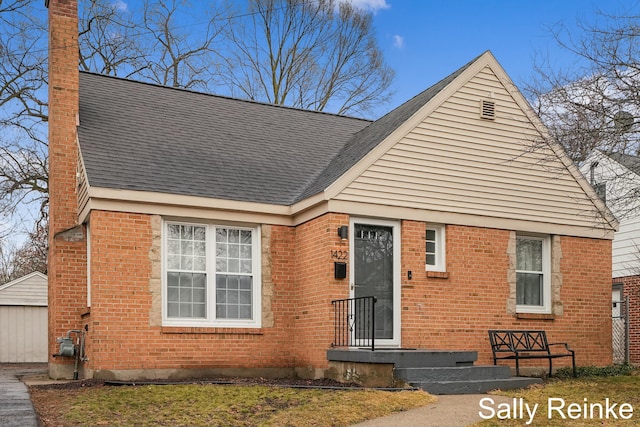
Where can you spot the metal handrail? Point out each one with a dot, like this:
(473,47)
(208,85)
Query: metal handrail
(354,322)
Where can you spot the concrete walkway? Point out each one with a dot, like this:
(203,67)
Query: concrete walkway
(16,409)
(458,410)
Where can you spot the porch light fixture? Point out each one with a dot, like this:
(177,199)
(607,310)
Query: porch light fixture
(343,232)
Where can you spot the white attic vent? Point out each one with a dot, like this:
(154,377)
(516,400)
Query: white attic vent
(487,109)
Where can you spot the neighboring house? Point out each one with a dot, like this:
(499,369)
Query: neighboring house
(194,234)
(616,177)
(23,320)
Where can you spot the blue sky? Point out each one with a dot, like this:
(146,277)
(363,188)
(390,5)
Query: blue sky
(424,41)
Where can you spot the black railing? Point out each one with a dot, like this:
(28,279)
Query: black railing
(354,322)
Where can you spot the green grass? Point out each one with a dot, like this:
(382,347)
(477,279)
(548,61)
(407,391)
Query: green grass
(216,405)
(593,386)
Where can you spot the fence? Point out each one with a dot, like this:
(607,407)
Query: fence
(620,331)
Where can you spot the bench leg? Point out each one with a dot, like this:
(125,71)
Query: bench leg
(550,367)
(517,366)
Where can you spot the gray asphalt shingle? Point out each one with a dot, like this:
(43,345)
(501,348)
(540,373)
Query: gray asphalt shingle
(139,136)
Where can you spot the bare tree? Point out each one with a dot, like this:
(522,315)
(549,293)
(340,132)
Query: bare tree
(7,250)
(596,102)
(319,55)
(178,56)
(17,261)
(146,45)
(23,107)
(32,255)
(109,40)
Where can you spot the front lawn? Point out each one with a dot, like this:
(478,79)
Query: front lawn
(215,405)
(590,400)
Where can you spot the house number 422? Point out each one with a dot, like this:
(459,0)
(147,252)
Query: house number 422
(339,255)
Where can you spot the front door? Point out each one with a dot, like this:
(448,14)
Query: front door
(375,259)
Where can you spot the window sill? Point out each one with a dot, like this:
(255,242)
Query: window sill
(535,316)
(438,274)
(208,330)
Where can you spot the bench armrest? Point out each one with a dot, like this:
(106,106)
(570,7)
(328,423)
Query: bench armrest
(566,345)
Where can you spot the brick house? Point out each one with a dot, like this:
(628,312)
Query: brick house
(194,234)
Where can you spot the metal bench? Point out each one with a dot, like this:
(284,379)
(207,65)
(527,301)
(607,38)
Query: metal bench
(518,345)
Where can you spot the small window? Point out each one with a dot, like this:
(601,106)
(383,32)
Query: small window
(533,281)
(435,248)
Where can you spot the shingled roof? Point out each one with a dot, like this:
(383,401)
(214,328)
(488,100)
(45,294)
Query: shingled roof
(627,160)
(140,136)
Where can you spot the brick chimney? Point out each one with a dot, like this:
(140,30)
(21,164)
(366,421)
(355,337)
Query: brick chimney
(67,243)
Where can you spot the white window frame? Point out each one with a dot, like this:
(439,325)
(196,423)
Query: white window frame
(440,253)
(210,319)
(545,308)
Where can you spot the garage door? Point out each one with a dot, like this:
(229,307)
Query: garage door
(23,334)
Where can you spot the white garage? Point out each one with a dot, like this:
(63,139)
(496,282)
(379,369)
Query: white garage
(23,320)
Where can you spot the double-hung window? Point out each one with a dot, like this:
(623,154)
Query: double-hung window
(211,275)
(533,274)
(435,248)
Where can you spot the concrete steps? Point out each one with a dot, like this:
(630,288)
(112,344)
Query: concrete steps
(474,386)
(463,379)
(437,371)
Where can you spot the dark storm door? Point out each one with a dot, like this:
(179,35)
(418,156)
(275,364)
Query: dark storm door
(375,264)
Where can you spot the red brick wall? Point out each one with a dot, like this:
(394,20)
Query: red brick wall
(455,313)
(316,287)
(631,289)
(121,333)
(452,313)
(303,286)
(67,250)
(586,264)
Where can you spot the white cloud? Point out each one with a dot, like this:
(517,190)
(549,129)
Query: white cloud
(398,41)
(371,5)
(121,5)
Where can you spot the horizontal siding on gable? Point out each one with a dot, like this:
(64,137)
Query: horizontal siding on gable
(454,161)
(626,252)
(30,292)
